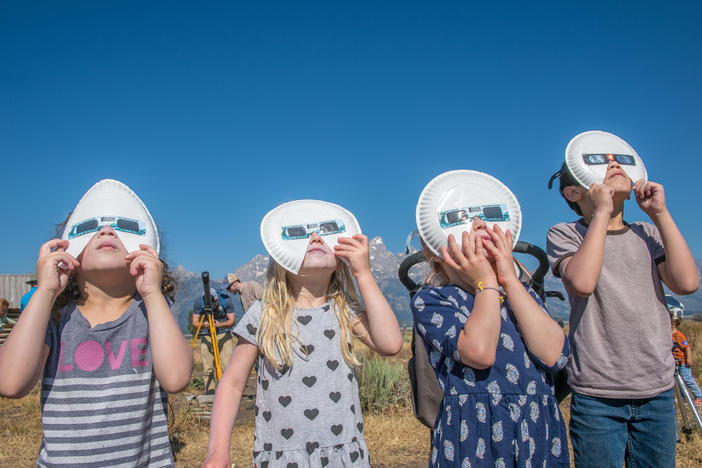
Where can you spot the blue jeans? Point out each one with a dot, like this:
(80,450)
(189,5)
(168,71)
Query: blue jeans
(606,432)
(686,374)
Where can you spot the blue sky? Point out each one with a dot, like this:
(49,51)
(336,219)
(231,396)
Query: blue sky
(214,114)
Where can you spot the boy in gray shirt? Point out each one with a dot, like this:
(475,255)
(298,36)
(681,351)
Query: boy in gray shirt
(621,368)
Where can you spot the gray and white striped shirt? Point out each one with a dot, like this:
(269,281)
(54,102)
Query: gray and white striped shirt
(101,403)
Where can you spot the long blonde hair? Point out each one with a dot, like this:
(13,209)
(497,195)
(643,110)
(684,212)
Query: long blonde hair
(274,335)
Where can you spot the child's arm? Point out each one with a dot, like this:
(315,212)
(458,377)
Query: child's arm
(171,354)
(377,327)
(467,266)
(581,271)
(678,271)
(688,356)
(24,354)
(542,335)
(226,403)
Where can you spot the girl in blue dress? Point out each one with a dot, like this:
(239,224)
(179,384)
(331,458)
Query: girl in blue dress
(493,347)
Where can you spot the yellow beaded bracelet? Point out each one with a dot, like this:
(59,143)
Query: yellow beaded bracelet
(482,287)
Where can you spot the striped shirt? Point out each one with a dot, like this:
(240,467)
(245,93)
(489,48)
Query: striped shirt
(101,403)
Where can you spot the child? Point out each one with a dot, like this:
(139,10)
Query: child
(4,307)
(621,370)
(308,412)
(490,340)
(682,353)
(101,329)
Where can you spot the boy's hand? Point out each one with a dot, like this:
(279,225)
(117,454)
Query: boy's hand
(470,260)
(501,250)
(601,199)
(147,268)
(650,196)
(355,251)
(54,268)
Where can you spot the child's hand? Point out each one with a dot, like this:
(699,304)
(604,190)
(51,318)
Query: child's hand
(650,196)
(147,268)
(601,199)
(355,251)
(54,268)
(470,260)
(501,250)
(216,461)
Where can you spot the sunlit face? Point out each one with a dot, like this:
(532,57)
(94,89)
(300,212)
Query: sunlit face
(104,251)
(319,255)
(616,178)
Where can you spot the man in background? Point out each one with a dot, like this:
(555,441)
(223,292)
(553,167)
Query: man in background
(249,291)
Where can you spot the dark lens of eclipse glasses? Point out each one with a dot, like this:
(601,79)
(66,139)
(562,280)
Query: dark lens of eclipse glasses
(127,225)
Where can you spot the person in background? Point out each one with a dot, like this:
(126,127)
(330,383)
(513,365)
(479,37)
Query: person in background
(4,306)
(224,317)
(682,353)
(249,291)
(33,285)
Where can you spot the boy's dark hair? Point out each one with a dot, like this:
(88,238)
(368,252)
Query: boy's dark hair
(566,179)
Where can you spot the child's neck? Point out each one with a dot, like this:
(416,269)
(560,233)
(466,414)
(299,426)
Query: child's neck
(105,298)
(616,219)
(309,291)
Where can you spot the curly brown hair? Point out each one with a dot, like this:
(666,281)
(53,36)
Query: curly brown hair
(72,292)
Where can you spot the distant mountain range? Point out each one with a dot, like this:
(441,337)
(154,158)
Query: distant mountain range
(384,265)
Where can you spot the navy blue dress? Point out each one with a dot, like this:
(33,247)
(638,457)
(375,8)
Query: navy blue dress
(502,416)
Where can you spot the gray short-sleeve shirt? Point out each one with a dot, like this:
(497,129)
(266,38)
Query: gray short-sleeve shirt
(620,334)
(308,414)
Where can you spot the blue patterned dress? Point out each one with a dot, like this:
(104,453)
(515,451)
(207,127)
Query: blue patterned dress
(502,416)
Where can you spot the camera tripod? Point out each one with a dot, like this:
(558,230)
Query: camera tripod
(207,311)
(683,397)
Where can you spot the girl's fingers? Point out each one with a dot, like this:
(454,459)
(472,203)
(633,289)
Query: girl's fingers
(149,249)
(348,241)
(362,238)
(454,250)
(448,260)
(47,247)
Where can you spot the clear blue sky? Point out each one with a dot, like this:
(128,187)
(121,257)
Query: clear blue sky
(214,114)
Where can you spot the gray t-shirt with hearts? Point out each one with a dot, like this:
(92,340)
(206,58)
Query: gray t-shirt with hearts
(308,415)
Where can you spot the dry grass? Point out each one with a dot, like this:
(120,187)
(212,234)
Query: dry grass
(394,437)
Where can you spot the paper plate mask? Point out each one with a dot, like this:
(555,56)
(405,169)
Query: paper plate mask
(110,202)
(451,201)
(287,228)
(588,155)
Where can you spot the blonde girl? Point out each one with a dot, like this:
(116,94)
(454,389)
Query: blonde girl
(307,406)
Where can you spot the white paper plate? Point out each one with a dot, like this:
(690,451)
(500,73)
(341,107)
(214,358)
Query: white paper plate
(598,142)
(290,253)
(461,189)
(111,198)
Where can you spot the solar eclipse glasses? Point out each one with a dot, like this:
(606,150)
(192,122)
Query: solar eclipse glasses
(458,216)
(118,223)
(594,159)
(303,231)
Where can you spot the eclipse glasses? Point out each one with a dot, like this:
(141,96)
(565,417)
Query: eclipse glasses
(118,223)
(303,231)
(457,216)
(595,159)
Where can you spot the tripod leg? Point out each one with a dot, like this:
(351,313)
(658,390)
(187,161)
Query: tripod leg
(197,332)
(685,428)
(215,347)
(689,401)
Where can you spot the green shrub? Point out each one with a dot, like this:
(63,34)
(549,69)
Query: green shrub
(382,384)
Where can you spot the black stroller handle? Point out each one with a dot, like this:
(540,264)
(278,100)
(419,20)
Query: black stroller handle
(528,248)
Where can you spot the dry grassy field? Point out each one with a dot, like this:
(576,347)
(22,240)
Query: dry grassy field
(394,437)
